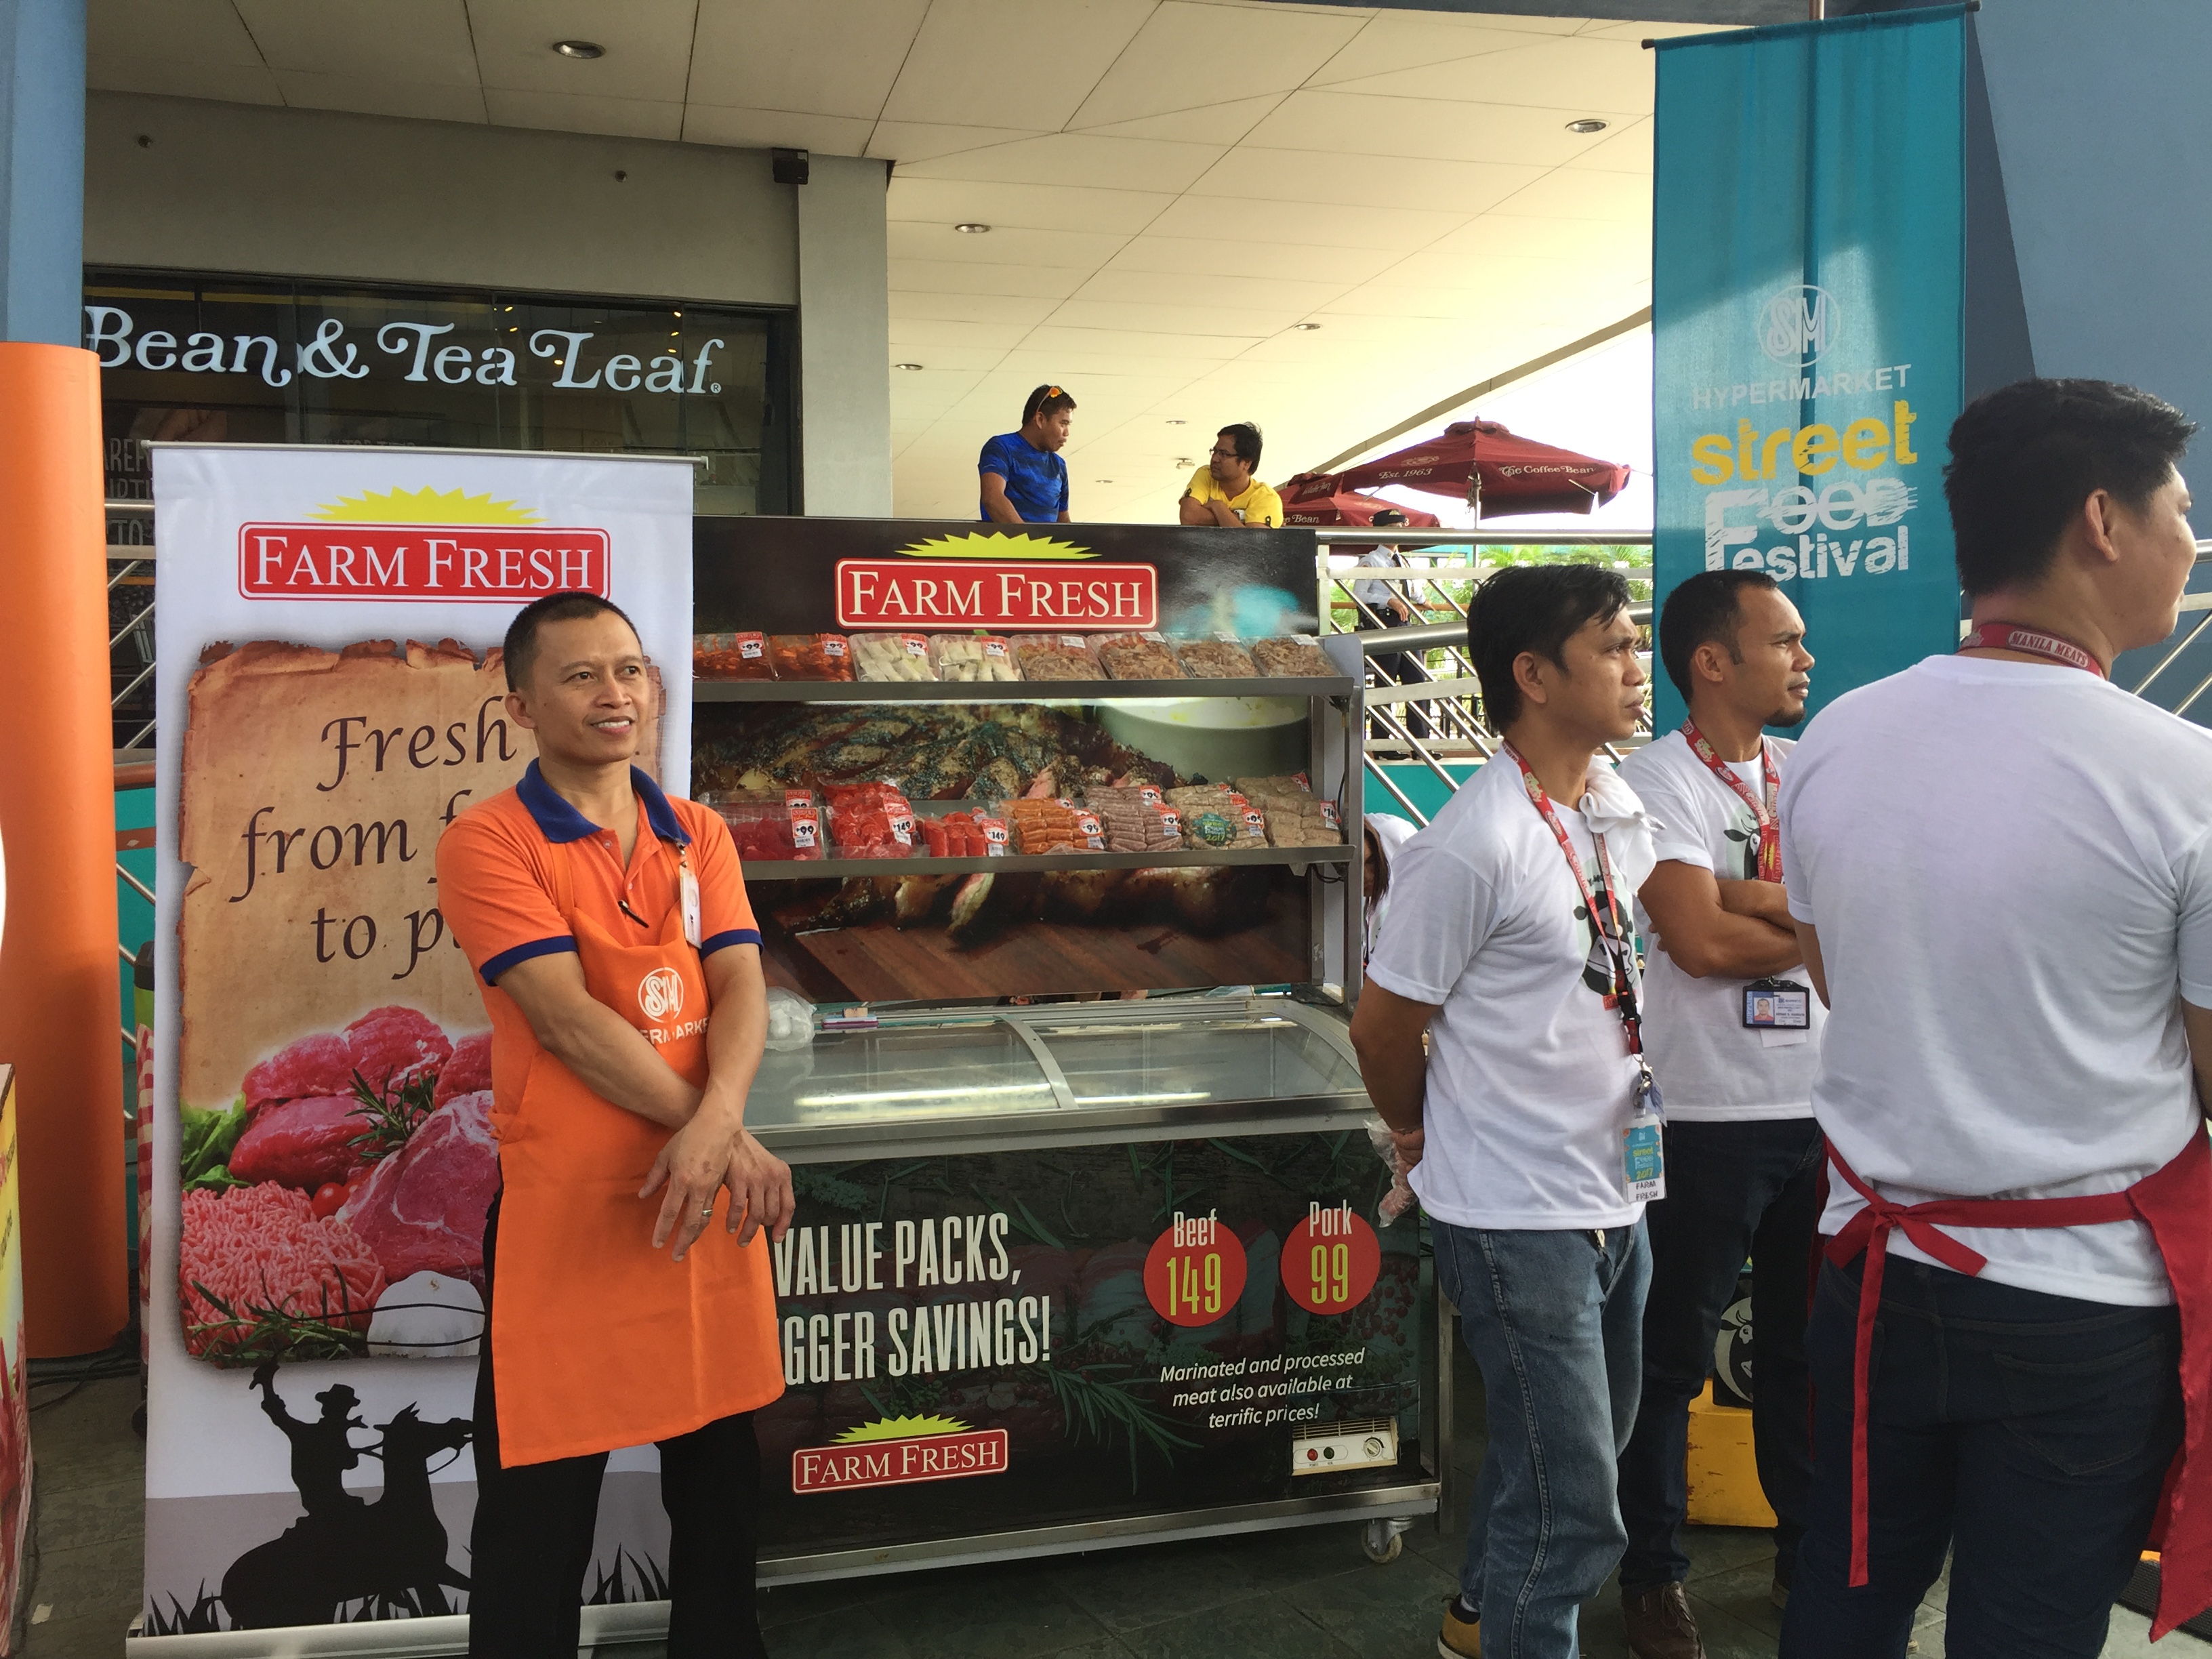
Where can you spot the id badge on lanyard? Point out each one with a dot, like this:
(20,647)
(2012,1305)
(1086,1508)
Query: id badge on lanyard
(1643,1148)
(686,888)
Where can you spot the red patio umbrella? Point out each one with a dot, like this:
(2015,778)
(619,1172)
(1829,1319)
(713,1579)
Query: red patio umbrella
(1496,473)
(1345,509)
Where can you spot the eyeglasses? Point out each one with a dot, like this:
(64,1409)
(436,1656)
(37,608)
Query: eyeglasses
(1224,455)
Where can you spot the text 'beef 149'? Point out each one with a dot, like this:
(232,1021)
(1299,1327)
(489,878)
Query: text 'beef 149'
(505,565)
(985,593)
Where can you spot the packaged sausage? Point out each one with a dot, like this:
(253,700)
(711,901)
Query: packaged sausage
(892,657)
(1136,656)
(731,657)
(810,656)
(1220,657)
(774,828)
(1295,656)
(973,657)
(1057,657)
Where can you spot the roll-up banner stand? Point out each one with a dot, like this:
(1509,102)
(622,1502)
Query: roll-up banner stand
(329,697)
(1807,281)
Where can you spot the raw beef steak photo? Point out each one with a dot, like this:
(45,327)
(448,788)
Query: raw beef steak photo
(422,1210)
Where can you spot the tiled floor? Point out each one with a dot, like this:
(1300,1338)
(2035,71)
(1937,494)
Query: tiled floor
(1283,1595)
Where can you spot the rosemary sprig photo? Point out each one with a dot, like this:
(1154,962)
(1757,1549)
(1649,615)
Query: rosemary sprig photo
(393,1112)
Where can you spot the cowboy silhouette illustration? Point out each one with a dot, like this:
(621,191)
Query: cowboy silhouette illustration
(343,1549)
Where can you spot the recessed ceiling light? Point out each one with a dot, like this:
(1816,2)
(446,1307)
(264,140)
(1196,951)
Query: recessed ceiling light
(1178,423)
(1101,481)
(1305,328)
(1588,124)
(581,49)
(971,229)
(907,366)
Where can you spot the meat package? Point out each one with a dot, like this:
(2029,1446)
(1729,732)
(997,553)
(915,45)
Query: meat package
(1057,657)
(774,826)
(1216,816)
(1135,656)
(973,657)
(731,657)
(964,834)
(892,657)
(1136,819)
(1295,656)
(870,821)
(1220,657)
(810,656)
(1054,826)
(1296,816)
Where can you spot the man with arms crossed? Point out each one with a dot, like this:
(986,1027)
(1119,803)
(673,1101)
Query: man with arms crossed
(1509,944)
(1733,1040)
(622,972)
(2001,868)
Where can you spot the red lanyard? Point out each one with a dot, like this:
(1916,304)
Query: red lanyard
(1770,826)
(2011,636)
(1615,939)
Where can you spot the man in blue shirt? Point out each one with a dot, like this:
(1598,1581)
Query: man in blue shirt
(1024,480)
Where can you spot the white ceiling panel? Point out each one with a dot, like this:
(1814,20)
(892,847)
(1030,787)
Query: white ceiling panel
(1318,176)
(1024,207)
(923,141)
(1584,75)
(1032,66)
(937,307)
(1187,56)
(1195,348)
(1626,150)
(826,58)
(999,334)
(1241,322)
(1146,164)
(1196,256)
(935,240)
(959,281)
(1300,223)
(1541,239)
(174,31)
(226,83)
(1294,299)
(1362,123)
(650,60)
(624,118)
(413,100)
(1582,193)
(1404,40)
(1212,123)
(398,40)
(774,129)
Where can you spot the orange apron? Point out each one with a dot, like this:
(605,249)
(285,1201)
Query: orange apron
(603,1341)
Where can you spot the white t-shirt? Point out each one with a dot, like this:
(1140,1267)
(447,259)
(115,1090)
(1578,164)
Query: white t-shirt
(1530,1082)
(1711,1068)
(2010,866)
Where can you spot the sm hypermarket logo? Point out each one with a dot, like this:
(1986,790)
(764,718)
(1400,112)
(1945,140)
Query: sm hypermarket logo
(661,993)
(1798,325)
(425,545)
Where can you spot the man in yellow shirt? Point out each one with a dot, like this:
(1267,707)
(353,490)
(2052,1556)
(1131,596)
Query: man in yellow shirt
(1224,491)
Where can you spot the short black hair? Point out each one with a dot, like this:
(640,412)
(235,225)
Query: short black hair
(1045,400)
(2025,457)
(1245,437)
(1706,609)
(1532,607)
(520,651)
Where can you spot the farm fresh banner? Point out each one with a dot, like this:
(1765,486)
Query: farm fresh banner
(1807,271)
(331,696)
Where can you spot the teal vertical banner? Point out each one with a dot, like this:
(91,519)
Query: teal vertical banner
(1808,276)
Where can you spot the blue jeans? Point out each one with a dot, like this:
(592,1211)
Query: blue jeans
(2027,1434)
(1554,1321)
(1733,1190)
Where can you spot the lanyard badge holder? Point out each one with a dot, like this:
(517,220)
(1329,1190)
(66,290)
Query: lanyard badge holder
(1777,1005)
(1642,1149)
(686,888)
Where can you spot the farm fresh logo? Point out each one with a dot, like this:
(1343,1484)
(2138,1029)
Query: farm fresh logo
(899,1451)
(420,544)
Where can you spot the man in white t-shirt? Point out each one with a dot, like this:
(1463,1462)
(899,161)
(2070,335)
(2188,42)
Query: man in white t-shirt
(2001,868)
(1509,944)
(1733,1038)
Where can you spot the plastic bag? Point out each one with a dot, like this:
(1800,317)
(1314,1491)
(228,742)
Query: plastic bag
(1400,1198)
(790,1019)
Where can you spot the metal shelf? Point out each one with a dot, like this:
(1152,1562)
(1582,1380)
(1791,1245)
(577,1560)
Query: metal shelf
(836,869)
(1009,691)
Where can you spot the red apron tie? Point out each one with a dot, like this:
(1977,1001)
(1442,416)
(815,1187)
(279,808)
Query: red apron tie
(1870,1231)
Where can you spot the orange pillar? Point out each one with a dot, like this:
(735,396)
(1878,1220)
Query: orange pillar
(59,1022)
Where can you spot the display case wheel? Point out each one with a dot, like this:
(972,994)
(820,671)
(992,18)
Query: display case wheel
(1383,1540)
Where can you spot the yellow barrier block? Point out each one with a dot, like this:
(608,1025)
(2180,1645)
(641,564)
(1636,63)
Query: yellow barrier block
(1723,1467)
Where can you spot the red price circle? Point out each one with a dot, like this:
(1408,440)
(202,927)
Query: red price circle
(1330,1260)
(1194,1272)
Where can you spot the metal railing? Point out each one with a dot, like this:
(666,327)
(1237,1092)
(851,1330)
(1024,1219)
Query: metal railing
(1423,703)
(2183,638)
(126,561)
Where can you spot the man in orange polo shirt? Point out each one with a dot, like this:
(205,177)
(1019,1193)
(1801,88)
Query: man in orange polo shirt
(620,966)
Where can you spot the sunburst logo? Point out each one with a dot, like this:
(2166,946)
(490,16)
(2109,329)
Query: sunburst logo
(900,1428)
(425,506)
(996,545)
